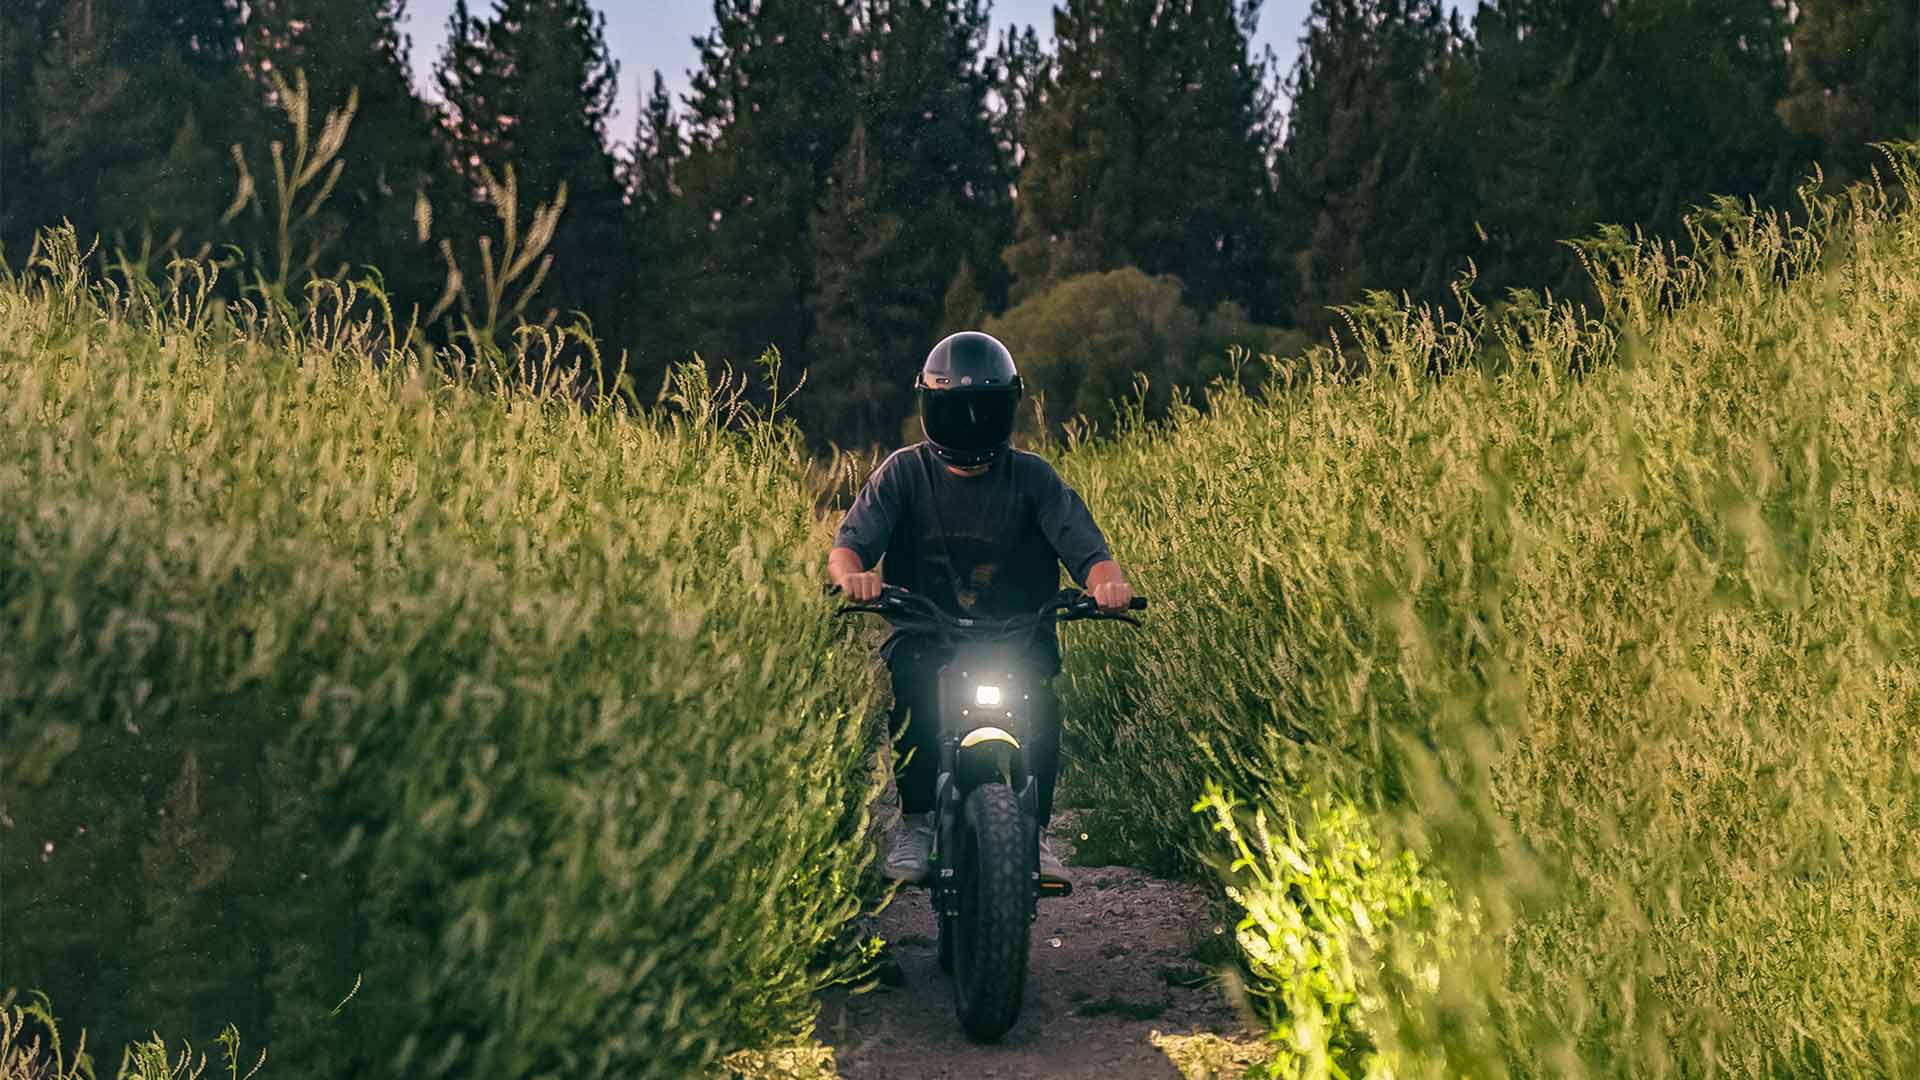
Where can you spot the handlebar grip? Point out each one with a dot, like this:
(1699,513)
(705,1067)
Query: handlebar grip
(1139,604)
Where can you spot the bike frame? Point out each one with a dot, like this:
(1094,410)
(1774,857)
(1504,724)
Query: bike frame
(983,847)
(980,743)
(979,739)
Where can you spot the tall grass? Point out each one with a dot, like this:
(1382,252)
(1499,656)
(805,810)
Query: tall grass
(1562,711)
(320,668)
(303,178)
(1615,632)
(32,1047)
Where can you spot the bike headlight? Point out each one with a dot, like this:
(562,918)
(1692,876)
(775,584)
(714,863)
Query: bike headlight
(986,695)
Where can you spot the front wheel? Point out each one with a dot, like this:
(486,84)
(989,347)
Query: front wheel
(996,899)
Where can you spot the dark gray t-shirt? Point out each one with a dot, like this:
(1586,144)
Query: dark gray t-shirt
(990,545)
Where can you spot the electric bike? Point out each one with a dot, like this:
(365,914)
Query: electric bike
(984,867)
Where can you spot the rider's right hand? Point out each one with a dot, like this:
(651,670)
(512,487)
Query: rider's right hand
(863,587)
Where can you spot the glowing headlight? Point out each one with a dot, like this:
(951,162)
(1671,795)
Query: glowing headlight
(986,695)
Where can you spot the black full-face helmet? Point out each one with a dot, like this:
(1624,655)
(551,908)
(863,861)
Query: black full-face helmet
(968,391)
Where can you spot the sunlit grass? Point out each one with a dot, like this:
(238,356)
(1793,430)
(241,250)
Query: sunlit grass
(320,667)
(1628,658)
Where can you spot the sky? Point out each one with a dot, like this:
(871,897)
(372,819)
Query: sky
(645,35)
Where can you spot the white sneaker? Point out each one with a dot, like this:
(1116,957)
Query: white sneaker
(907,850)
(1052,870)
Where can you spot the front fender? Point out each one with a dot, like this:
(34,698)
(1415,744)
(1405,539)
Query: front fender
(982,735)
(985,754)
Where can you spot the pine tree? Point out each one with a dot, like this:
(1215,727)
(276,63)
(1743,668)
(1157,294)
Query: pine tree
(1376,183)
(964,307)
(72,126)
(1527,197)
(391,157)
(860,314)
(1021,71)
(531,88)
(652,181)
(26,26)
(931,170)
(1693,89)
(659,147)
(1855,79)
(1629,113)
(772,104)
(132,107)
(1146,149)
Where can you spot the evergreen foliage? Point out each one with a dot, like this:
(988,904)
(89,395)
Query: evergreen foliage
(26,27)
(1145,149)
(1375,177)
(1021,71)
(964,306)
(354,48)
(652,180)
(918,196)
(132,106)
(659,146)
(772,104)
(1647,108)
(1855,78)
(861,315)
(531,87)
(1402,146)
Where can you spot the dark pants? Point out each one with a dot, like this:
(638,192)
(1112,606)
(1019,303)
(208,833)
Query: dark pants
(916,684)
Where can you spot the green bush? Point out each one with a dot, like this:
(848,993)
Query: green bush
(319,668)
(1083,343)
(1621,640)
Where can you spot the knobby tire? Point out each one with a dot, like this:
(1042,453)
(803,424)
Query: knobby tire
(996,901)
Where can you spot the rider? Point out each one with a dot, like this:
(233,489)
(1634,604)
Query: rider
(980,529)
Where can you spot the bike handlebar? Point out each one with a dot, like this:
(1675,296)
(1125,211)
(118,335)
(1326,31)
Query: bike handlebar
(1070,605)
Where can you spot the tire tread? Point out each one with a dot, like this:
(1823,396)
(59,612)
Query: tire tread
(998,969)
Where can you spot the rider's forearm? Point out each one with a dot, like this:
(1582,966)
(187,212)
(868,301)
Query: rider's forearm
(842,562)
(1105,572)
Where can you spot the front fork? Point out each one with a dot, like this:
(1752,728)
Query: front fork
(948,802)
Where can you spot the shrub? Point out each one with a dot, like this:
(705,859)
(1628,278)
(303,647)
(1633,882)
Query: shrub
(1083,343)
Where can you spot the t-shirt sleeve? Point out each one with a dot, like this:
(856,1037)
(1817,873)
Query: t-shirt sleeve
(867,529)
(1066,522)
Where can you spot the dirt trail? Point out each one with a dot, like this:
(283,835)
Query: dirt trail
(1103,995)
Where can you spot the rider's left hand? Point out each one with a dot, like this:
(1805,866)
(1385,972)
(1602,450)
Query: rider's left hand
(1113,595)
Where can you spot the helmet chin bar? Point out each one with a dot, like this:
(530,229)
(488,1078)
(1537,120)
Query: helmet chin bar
(967,459)
(962,459)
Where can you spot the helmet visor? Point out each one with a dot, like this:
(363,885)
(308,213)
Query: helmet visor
(969,420)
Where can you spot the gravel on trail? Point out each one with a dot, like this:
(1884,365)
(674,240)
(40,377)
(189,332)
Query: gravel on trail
(1113,991)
